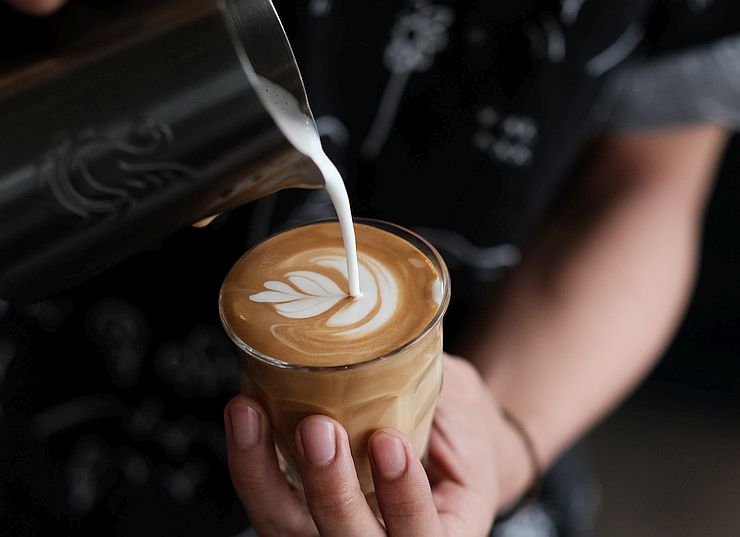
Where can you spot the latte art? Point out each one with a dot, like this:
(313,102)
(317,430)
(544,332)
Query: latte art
(287,299)
(310,294)
(314,295)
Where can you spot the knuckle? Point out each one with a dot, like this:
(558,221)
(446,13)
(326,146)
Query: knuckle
(405,499)
(248,484)
(335,503)
(269,521)
(277,527)
(402,506)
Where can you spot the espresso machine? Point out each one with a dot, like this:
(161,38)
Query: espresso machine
(123,121)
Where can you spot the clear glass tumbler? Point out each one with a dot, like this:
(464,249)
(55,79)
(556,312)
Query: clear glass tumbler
(398,389)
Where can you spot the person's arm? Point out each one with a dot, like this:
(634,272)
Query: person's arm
(600,292)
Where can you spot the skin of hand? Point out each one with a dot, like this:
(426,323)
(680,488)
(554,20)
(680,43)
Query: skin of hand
(456,496)
(37,7)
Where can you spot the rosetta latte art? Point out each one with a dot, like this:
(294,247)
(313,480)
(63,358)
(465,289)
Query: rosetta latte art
(288,298)
(308,294)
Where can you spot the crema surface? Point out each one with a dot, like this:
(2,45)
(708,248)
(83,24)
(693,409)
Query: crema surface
(288,297)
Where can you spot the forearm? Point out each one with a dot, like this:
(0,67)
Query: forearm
(600,293)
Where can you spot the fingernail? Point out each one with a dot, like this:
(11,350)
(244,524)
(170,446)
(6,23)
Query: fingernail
(245,425)
(389,455)
(319,441)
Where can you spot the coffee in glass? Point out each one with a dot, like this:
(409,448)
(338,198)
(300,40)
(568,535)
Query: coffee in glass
(308,347)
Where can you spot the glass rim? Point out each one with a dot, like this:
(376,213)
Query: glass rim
(421,244)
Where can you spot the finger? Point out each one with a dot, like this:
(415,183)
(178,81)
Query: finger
(462,512)
(273,507)
(333,492)
(462,509)
(402,488)
(37,7)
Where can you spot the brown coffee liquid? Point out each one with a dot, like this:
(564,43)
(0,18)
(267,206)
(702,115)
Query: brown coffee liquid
(287,298)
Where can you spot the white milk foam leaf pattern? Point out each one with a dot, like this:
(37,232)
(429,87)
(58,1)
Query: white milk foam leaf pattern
(300,131)
(313,294)
(285,298)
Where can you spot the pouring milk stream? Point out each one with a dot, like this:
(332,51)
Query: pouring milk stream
(299,129)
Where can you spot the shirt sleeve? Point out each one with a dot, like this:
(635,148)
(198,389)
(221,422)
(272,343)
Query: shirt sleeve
(700,84)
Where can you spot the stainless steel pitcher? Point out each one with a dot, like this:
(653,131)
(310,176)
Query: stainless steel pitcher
(121,122)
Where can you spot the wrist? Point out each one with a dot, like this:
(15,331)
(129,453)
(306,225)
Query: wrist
(519,469)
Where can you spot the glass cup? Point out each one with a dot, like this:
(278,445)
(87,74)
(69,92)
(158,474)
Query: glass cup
(398,389)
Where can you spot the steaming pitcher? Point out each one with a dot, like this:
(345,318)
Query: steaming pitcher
(122,121)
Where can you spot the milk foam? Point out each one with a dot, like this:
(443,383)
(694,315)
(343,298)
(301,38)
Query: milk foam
(286,299)
(310,294)
(300,131)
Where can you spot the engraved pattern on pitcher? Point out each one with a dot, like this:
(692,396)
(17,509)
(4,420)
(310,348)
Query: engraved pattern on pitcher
(76,181)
